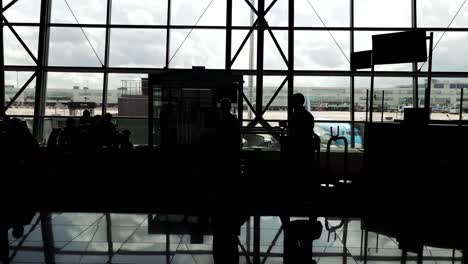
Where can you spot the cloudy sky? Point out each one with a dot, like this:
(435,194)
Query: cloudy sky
(314,50)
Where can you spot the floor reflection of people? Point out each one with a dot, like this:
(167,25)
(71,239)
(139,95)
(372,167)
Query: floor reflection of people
(225,238)
(4,244)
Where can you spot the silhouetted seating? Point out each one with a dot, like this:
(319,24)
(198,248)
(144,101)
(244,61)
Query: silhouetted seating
(91,135)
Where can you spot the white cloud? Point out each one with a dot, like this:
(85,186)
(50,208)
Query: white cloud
(69,47)
(138,47)
(86,11)
(186,12)
(334,13)
(439,13)
(316,50)
(382,13)
(202,48)
(15,54)
(143,12)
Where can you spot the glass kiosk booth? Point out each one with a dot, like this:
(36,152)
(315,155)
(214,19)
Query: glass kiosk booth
(182,102)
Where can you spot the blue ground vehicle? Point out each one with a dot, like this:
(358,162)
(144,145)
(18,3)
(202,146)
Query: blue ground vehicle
(323,131)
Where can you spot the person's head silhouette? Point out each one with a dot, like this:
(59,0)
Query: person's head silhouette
(225,105)
(298,101)
(86,113)
(107,117)
(96,120)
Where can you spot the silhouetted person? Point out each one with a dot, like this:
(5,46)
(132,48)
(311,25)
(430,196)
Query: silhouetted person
(301,126)
(224,147)
(108,130)
(228,132)
(21,144)
(85,119)
(53,139)
(226,227)
(67,139)
(299,149)
(88,132)
(97,132)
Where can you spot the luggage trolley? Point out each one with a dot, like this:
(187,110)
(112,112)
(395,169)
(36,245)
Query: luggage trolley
(331,180)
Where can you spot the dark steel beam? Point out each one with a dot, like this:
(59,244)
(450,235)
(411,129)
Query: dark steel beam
(248,230)
(256,236)
(249,104)
(407,74)
(333,255)
(299,28)
(260,52)
(20,40)
(41,78)
(427,92)
(272,4)
(168,34)
(278,46)
(461,106)
(168,249)
(275,95)
(252,7)
(2,70)
(228,63)
(351,78)
(251,30)
(12,101)
(47,238)
(367,106)
(151,116)
(251,63)
(8,5)
(403,258)
(382,107)
(273,243)
(110,243)
(290,72)
(244,252)
(366,241)
(414,25)
(345,243)
(24,24)
(105,83)
(371,95)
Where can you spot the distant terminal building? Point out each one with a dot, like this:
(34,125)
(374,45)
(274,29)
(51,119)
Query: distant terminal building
(131,97)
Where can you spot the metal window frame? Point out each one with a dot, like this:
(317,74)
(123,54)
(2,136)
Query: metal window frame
(45,25)
(42,67)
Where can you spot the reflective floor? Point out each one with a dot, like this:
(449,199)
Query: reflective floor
(83,238)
